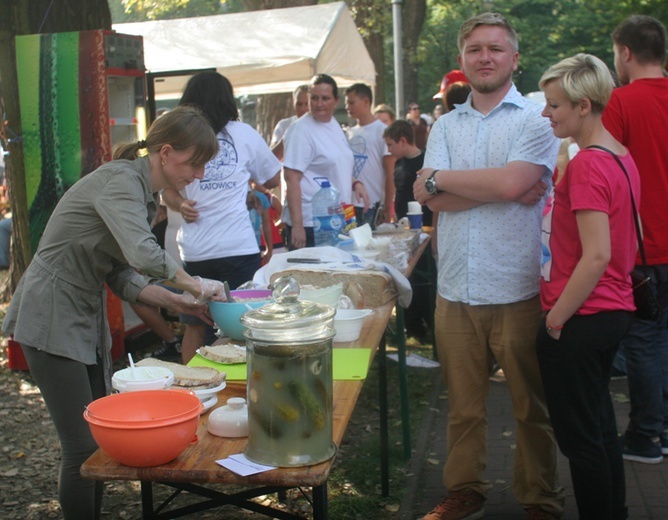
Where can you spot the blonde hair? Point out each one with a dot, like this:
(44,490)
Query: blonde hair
(582,76)
(183,128)
(385,109)
(494,19)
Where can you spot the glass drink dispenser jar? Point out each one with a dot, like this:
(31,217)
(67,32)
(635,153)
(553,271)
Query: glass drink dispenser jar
(289,347)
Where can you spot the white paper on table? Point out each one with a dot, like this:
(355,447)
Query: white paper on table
(241,465)
(415,360)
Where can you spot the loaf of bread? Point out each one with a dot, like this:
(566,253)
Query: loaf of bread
(228,354)
(192,378)
(366,289)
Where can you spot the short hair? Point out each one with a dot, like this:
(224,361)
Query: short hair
(456,94)
(494,19)
(299,90)
(645,36)
(386,109)
(361,90)
(319,79)
(398,129)
(213,94)
(582,76)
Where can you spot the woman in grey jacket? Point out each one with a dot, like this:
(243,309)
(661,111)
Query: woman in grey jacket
(100,232)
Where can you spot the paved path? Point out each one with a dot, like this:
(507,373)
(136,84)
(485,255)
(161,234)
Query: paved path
(647,484)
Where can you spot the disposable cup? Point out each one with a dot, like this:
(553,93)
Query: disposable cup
(415,220)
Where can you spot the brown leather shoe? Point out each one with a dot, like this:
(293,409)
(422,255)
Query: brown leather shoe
(465,504)
(536,513)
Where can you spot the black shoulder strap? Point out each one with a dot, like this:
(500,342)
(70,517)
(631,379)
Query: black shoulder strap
(633,203)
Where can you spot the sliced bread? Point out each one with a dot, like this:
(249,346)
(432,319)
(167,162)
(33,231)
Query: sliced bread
(227,354)
(366,288)
(193,378)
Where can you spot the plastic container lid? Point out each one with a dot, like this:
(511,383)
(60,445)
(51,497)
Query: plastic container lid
(230,420)
(142,378)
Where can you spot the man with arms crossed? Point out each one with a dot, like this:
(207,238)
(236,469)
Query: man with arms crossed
(636,116)
(486,169)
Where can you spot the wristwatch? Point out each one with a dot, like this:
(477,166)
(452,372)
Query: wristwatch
(430,184)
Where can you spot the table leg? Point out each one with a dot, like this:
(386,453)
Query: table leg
(403,381)
(320,502)
(384,433)
(147,500)
(432,277)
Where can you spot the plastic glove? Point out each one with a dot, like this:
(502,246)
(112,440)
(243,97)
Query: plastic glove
(186,304)
(210,290)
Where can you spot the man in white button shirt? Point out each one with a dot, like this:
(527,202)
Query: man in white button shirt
(487,166)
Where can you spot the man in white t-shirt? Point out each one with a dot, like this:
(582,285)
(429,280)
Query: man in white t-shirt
(374,165)
(300,101)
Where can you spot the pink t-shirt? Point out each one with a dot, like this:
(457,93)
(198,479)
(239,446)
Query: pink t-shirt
(593,181)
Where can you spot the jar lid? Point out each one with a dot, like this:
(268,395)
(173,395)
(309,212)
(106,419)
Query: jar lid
(288,318)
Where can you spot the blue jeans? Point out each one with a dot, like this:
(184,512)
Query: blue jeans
(646,351)
(575,370)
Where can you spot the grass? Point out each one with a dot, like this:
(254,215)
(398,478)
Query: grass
(355,481)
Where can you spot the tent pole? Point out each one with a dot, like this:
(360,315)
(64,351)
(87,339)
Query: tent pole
(398,58)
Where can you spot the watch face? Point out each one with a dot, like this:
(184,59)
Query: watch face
(430,185)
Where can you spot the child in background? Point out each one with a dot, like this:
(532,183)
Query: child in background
(258,211)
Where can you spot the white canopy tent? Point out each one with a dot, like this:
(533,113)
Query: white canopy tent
(260,52)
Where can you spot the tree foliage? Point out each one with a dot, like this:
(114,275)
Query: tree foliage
(548,31)
(141,10)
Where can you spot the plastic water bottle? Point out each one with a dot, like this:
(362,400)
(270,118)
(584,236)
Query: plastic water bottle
(328,216)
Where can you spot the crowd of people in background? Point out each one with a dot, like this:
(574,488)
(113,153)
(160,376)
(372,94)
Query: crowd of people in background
(533,268)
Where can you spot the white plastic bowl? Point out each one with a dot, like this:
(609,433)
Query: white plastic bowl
(348,323)
(327,295)
(143,378)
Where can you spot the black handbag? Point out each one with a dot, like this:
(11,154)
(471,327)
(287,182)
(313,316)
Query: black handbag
(644,297)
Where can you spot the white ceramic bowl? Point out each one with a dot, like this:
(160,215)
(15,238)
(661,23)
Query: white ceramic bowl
(348,323)
(143,378)
(327,295)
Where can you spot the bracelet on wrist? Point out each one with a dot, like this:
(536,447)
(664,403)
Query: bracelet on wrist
(552,327)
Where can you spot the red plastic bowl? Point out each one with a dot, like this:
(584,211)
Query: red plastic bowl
(144,428)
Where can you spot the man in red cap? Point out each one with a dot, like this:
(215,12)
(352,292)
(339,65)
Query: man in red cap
(454,76)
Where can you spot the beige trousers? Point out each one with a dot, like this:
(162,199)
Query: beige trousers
(468,339)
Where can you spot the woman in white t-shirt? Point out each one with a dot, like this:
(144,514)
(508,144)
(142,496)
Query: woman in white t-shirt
(315,146)
(216,236)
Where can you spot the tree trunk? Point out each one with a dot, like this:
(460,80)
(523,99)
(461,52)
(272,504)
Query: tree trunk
(269,110)
(371,17)
(413,17)
(374,44)
(20,18)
